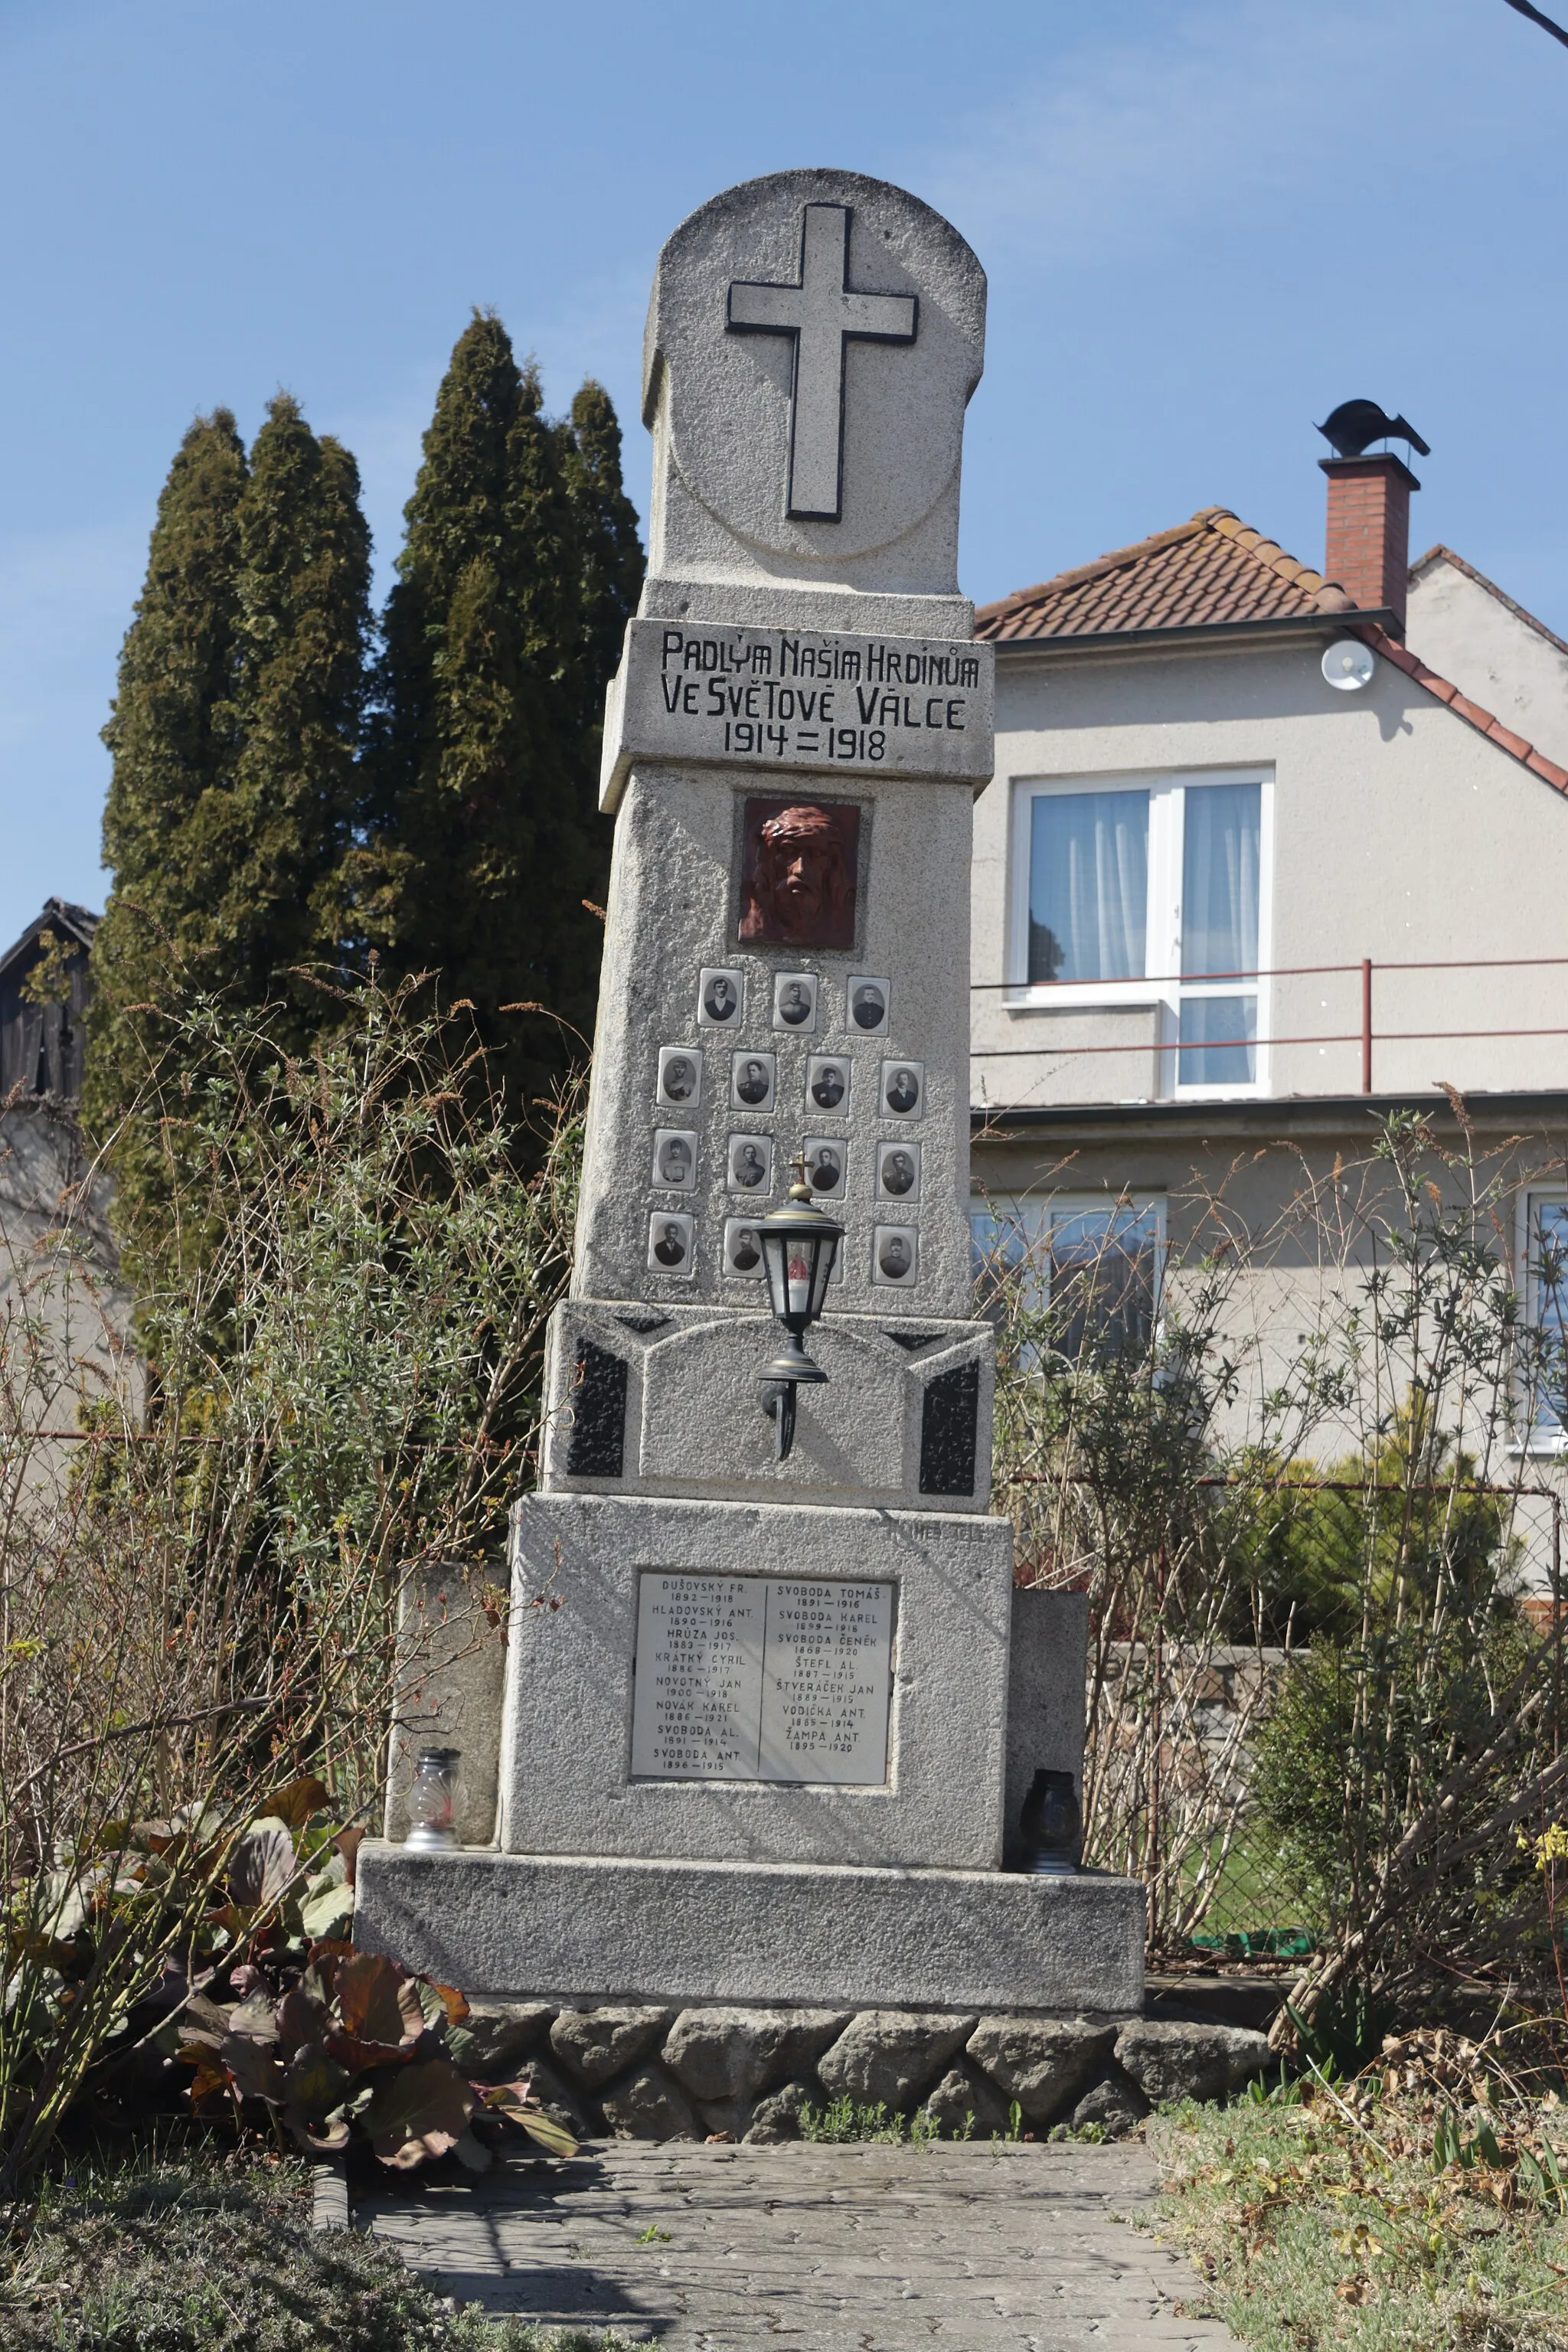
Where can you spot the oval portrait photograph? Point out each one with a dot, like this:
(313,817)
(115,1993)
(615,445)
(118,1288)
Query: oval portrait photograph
(825,1164)
(895,1258)
(718,997)
(680,1075)
(751,1162)
(752,1080)
(903,1084)
(868,1004)
(826,1081)
(669,1243)
(899,1171)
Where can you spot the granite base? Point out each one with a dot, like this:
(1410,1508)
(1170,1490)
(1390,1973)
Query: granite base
(585,1929)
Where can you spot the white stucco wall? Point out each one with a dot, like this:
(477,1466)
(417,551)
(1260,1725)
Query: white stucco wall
(1465,634)
(1399,833)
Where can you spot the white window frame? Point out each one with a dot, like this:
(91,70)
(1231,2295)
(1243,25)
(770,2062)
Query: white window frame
(1035,1211)
(1536,1437)
(1160,984)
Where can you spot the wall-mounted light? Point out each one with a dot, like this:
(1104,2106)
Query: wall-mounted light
(799,1246)
(1348,664)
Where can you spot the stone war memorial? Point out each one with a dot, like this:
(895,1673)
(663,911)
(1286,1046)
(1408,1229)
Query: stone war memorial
(743,1825)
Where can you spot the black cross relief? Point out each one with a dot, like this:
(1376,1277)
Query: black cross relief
(821,314)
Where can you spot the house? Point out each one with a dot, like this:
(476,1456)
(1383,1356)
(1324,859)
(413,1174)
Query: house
(63,1312)
(41,1026)
(1269,853)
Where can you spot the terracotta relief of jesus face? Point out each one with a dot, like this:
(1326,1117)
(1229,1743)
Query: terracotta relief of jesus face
(799,868)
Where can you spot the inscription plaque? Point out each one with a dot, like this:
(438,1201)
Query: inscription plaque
(807,699)
(760,1678)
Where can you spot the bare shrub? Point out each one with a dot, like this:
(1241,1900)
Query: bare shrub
(1289,1463)
(334,1380)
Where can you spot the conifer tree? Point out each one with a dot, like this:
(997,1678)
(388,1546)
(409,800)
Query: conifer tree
(171,739)
(234,735)
(519,570)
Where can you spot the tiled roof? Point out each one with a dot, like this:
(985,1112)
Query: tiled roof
(1441,554)
(1209,571)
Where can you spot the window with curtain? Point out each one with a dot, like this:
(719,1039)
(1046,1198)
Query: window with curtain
(1089,885)
(1221,847)
(1097,1262)
(1546,1302)
(1163,883)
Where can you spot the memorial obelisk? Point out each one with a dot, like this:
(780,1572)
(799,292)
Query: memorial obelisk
(755,1742)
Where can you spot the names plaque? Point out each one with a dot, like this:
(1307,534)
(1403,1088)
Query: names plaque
(760,1678)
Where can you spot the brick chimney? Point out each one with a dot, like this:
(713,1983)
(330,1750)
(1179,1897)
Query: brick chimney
(1368,550)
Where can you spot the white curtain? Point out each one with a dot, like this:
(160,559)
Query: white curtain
(1089,885)
(1219,879)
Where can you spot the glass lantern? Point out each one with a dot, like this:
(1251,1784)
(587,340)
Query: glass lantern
(432,1798)
(799,1246)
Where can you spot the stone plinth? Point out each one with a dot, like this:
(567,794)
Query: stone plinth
(513,1926)
(567,1782)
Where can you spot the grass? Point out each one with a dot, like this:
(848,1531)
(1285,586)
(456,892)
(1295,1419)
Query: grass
(198,2254)
(1373,2214)
(847,2119)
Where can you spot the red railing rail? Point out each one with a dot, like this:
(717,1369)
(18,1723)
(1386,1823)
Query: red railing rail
(1035,995)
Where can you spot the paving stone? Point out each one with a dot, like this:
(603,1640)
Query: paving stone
(965,2105)
(503,2033)
(1172,2060)
(596,2043)
(888,2056)
(733,2053)
(647,2105)
(1045,2063)
(1003,2247)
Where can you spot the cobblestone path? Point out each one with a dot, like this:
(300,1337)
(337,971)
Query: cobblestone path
(956,2248)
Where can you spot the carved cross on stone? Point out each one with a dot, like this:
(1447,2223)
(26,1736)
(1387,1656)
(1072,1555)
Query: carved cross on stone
(821,314)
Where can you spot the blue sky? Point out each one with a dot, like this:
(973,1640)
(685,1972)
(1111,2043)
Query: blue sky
(1204,221)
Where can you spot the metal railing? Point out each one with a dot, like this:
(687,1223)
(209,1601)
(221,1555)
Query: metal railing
(1027,995)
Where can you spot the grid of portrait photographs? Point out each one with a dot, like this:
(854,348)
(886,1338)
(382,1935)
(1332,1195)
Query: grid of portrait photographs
(804,1005)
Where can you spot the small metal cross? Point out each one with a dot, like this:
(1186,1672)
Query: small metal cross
(822,315)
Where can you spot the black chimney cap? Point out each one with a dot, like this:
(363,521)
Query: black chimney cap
(1355,424)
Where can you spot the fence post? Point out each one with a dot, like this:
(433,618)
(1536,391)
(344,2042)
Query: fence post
(1366,1025)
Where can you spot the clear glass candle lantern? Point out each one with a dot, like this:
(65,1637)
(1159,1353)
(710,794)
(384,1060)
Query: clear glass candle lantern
(432,1798)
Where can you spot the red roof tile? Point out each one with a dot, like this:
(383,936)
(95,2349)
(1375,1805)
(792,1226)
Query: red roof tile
(1207,572)
(1472,713)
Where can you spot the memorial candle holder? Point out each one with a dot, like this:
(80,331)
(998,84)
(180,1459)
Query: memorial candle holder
(1050,1826)
(799,1246)
(432,1800)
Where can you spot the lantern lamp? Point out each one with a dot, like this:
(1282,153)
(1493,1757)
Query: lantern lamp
(799,1247)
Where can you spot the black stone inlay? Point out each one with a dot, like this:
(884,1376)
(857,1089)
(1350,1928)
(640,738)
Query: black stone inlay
(948,1431)
(599,1413)
(643,1324)
(913,1339)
